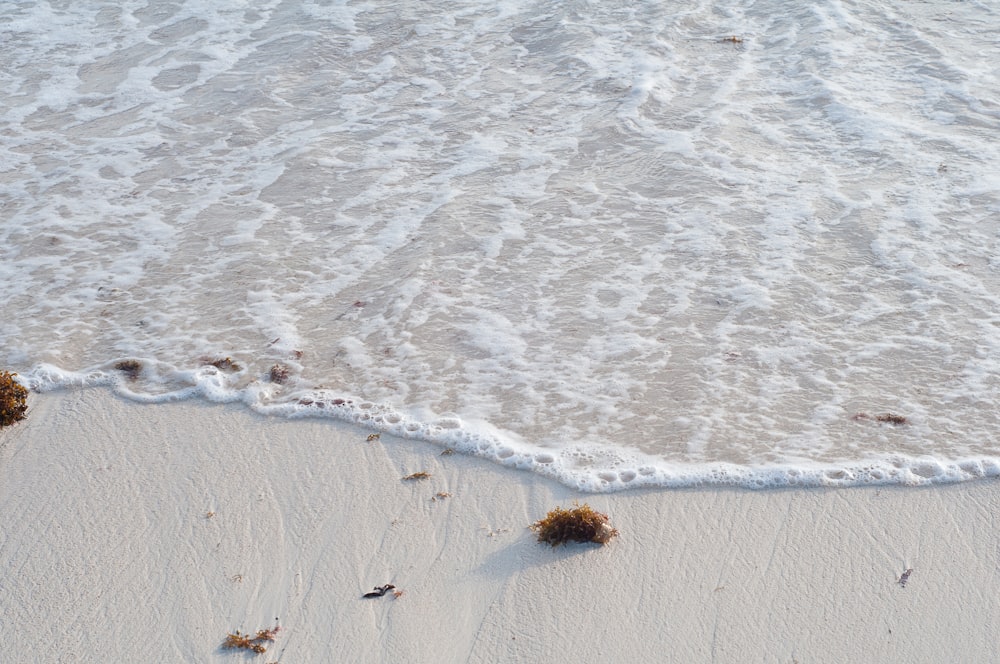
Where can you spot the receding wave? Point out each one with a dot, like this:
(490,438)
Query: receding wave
(586,468)
(665,243)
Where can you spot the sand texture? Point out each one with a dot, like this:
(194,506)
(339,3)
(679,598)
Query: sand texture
(135,533)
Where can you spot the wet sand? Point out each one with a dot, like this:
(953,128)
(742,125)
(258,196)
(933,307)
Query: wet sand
(147,533)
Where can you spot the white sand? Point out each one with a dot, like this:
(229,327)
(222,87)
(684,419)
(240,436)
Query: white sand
(108,555)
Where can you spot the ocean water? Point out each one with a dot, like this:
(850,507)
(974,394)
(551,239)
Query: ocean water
(617,243)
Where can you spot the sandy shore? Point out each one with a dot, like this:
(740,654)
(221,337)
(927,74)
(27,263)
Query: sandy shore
(139,533)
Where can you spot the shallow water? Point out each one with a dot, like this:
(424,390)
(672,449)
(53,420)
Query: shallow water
(669,244)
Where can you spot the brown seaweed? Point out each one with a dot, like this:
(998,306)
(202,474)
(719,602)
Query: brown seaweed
(579,524)
(131,368)
(13,399)
(247,642)
(278,374)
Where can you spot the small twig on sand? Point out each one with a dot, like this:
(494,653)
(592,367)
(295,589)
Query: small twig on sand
(379,591)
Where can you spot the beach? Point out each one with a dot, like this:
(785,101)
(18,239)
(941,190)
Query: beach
(148,533)
(318,298)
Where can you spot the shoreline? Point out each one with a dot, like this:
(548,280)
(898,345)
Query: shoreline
(147,533)
(583,468)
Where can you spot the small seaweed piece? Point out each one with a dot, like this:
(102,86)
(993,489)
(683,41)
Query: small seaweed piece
(13,399)
(279,374)
(237,640)
(131,368)
(247,642)
(267,634)
(905,576)
(887,418)
(372,437)
(419,475)
(448,451)
(891,418)
(225,364)
(440,495)
(579,524)
(379,591)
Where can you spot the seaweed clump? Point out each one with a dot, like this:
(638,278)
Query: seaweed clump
(279,374)
(247,642)
(580,524)
(13,399)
